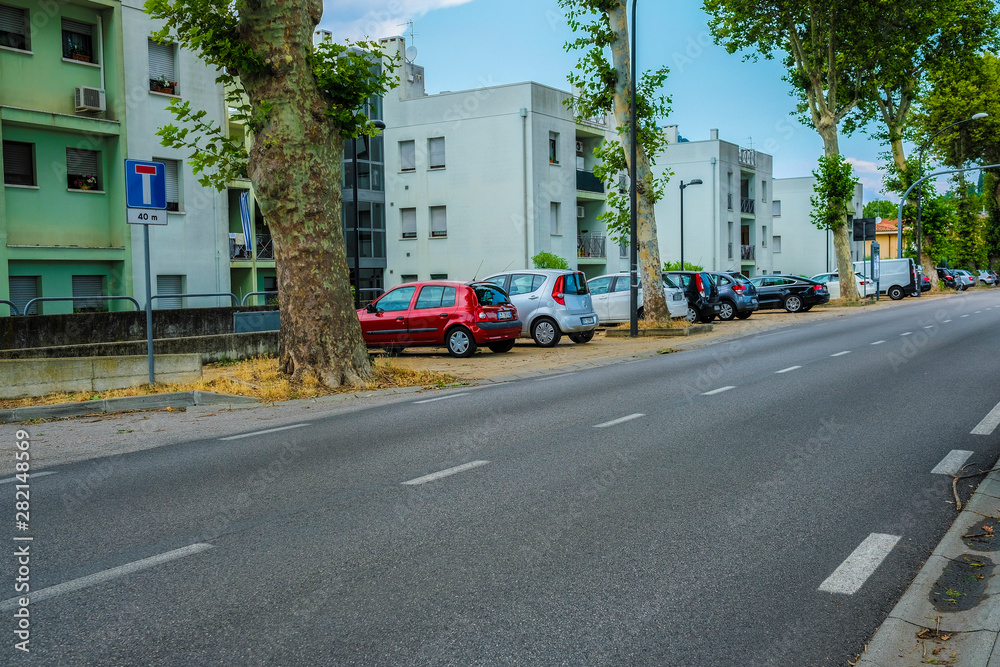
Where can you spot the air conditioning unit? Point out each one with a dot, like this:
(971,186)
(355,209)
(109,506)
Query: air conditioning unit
(581,212)
(579,147)
(90,99)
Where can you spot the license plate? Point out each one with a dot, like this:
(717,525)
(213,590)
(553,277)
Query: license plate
(586,320)
(505,315)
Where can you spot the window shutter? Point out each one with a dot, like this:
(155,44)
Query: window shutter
(88,286)
(81,162)
(167,285)
(170,170)
(436,146)
(409,223)
(407,156)
(17,163)
(12,20)
(78,27)
(439,221)
(22,290)
(161,60)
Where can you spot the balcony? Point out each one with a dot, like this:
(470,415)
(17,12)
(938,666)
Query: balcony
(748,157)
(591,246)
(265,248)
(747,253)
(746,205)
(587,182)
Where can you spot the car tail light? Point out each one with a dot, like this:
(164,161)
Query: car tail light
(817,288)
(481,315)
(738,288)
(558,294)
(700,284)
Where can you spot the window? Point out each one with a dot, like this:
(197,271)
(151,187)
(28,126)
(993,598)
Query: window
(554,219)
(83,169)
(171,169)
(600,285)
(397,299)
(166,286)
(729,192)
(408,277)
(409,216)
(22,290)
(435,150)
(14,33)
(553,148)
(623,284)
(525,283)
(162,68)
(436,296)
(439,222)
(407,156)
(77,41)
(763,236)
(487,295)
(18,163)
(84,286)
(439,276)
(623,249)
(763,190)
(776,208)
(776,244)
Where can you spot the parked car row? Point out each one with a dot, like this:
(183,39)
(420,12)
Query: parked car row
(960,279)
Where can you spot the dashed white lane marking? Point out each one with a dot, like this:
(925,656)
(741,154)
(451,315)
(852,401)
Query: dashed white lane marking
(952,463)
(441,398)
(908,333)
(946,321)
(270,430)
(620,420)
(445,473)
(929,326)
(31,475)
(978,311)
(861,564)
(788,370)
(106,575)
(878,342)
(840,354)
(966,315)
(553,377)
(989,423)
(717,391)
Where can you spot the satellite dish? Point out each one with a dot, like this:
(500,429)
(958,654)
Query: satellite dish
(411,54)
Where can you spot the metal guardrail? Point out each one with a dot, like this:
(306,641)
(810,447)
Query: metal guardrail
(232,296)
(243,301)
(27,306)
(747,205)
(748,252)
(748,157)
(13,306)
(265,247)
(591,245)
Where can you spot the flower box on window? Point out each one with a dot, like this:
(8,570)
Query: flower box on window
(162,85)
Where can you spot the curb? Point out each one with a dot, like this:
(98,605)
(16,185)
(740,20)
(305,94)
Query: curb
(973,634)
(181,399)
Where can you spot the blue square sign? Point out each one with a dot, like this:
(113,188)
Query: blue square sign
(145,184)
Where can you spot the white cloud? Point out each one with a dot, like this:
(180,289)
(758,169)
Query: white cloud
(380,18)
(863,166)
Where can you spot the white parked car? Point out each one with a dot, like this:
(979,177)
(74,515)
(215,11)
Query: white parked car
(987,277)
(866,286)
(610,294)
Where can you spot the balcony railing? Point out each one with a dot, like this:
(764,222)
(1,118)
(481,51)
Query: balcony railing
(747,252)
(748,157)
(591,245)
(265,248)
(586,181)
(746,205)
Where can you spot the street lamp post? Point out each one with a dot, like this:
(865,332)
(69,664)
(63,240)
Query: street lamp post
(684,185)
(633,226)
(357,214)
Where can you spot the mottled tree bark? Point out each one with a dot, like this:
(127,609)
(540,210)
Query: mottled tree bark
(295,165)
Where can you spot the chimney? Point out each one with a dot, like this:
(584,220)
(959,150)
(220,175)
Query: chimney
(671,133)
(713,134)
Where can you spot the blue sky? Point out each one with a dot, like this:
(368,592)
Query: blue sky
(465,44)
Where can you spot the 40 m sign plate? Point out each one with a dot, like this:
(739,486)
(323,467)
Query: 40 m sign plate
(147,216)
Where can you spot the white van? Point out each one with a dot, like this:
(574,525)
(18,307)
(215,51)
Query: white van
(897,277)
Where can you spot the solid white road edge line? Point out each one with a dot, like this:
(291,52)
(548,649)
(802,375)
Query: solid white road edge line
(440,398)
(445,473)
(861,564)
(106,575)
(717,391)
(952,463)
(31,475)
(788,370)
(989,423)
(620,420)
(270,430)
(840,354)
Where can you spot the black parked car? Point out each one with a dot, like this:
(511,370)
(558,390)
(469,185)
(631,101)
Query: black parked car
(948,278)
(702,294)
(794,294)
(737,295)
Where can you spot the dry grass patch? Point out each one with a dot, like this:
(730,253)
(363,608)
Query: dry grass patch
(257,377)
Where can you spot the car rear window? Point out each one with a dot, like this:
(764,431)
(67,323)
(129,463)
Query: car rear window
(668,282)
(487,295)
(575,283)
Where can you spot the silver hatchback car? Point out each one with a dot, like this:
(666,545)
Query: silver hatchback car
(550,303)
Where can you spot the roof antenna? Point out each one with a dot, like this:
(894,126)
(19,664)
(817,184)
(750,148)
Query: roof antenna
(476,275)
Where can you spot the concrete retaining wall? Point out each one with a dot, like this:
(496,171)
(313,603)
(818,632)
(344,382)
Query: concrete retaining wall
(37,377)
(208,348)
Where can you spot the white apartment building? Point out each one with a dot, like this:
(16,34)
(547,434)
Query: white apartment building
(727,218)
(804,249)
(191,253)
(480,181)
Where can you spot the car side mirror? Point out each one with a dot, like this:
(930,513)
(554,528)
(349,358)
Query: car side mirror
(371,308)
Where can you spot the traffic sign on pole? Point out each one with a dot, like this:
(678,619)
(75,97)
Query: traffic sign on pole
(145,184)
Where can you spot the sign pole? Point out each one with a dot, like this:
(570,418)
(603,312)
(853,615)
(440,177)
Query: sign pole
(149,307)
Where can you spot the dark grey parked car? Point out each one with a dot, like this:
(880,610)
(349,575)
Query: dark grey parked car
(737,295)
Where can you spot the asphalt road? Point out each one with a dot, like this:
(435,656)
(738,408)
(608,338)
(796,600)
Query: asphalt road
(698,508)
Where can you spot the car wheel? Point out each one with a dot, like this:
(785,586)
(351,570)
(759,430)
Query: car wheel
(505,346)
(394,350)
(545,332)
(692,315)
(582,336)
(793,303)
(460,342)
(745,315)
(895,293)
(727,310)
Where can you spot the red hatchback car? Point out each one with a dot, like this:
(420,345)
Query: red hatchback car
(458,316)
